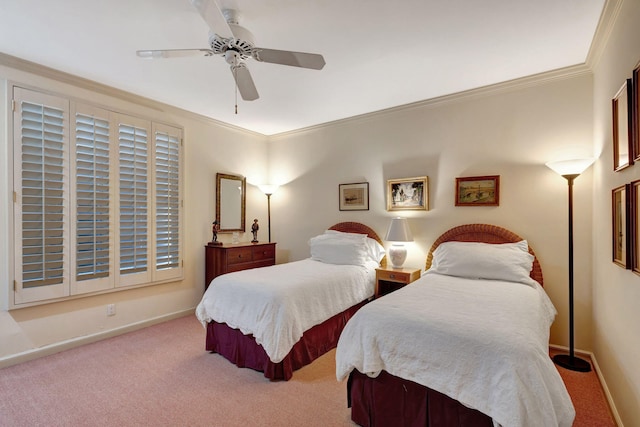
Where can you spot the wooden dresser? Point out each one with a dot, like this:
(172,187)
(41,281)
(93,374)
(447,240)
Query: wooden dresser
(228,257)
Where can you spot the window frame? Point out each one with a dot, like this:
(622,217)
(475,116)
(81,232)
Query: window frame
(20,296)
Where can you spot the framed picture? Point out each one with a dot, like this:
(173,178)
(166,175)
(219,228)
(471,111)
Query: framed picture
(634,212)
(622,131)
(408,194)
(635,113)
(478,191)
(354,197)
(620,226)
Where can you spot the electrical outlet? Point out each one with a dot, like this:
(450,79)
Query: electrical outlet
(111,309)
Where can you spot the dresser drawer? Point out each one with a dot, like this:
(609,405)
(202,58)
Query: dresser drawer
(264,252)
(239,255)
(394,276)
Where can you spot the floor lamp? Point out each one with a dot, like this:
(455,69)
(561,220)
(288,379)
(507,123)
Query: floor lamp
(268,189)
(571,169)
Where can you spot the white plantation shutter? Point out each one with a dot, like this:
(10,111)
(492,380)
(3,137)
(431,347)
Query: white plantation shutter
(91,160)
(97,199)
(40,176)
(167,224)
(134,200)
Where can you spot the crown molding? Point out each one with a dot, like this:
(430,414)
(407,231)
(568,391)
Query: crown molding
(507,86)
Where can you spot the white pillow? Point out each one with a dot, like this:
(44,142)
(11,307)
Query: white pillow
(506,261)
(333,249)
(376,250)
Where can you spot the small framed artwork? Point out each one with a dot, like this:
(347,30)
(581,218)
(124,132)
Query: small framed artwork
(634,212)
(620,226)
(635,113)
(354,197)
(408,194)
(622,131)
(478,191)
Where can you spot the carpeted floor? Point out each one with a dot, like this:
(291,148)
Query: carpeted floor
(162,376)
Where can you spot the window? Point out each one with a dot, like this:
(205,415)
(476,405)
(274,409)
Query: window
(97,199)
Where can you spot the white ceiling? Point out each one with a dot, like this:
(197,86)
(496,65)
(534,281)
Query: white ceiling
(379,54)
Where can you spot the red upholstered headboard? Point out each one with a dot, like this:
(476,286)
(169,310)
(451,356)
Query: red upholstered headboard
(356,227)
(487,234)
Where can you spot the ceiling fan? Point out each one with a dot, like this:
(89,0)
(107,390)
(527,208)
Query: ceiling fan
(227,38)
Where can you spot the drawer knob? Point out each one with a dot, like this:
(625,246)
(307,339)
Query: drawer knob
(392,276)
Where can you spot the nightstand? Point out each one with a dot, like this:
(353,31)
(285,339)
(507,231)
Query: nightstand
(389,279)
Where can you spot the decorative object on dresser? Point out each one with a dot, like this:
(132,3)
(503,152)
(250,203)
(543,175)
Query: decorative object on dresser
(354,196)
(571,169)
(268,190)
(398,233)
(226,257)
(622,127)
(389,279)
(478,191)
(408,194)
(214,233)
(254,230)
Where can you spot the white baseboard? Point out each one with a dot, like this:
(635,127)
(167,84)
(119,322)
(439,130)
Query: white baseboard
(598,372)
(47,350)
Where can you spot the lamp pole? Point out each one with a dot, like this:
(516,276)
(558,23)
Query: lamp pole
(269,215)
(570,361)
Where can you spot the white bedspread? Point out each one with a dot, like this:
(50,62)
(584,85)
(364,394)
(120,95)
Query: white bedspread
(483,343)
(278,304)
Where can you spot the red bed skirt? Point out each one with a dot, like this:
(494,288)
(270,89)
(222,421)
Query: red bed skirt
(391,401)
(246,353)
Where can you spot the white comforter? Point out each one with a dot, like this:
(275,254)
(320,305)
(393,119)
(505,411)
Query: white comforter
(483,343)
(278,304)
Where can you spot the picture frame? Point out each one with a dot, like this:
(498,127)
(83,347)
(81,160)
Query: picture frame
(634,210)
(622,127)
(635,112)
(478,191)
(620,233)
(354,196)
(408,194)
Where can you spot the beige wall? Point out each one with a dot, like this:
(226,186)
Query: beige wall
(616,292)
(209,148)
(510,132)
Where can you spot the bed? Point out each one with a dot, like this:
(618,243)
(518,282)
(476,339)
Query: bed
(280,318)
(464,345)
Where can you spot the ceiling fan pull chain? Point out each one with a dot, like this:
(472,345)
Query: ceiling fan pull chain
(235,80)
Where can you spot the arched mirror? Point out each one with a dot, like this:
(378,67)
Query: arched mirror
(230,202)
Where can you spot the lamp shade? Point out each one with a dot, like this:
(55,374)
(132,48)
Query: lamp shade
(570,167)
(268,189)
(399,231)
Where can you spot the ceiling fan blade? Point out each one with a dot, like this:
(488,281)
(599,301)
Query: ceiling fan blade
(214,17)
(313,61)
(173,53)
(244,82)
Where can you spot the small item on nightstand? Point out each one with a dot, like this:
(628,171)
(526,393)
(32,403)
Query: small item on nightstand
(214,230)
(254,229)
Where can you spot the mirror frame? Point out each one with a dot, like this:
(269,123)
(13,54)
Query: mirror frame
(243,182)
